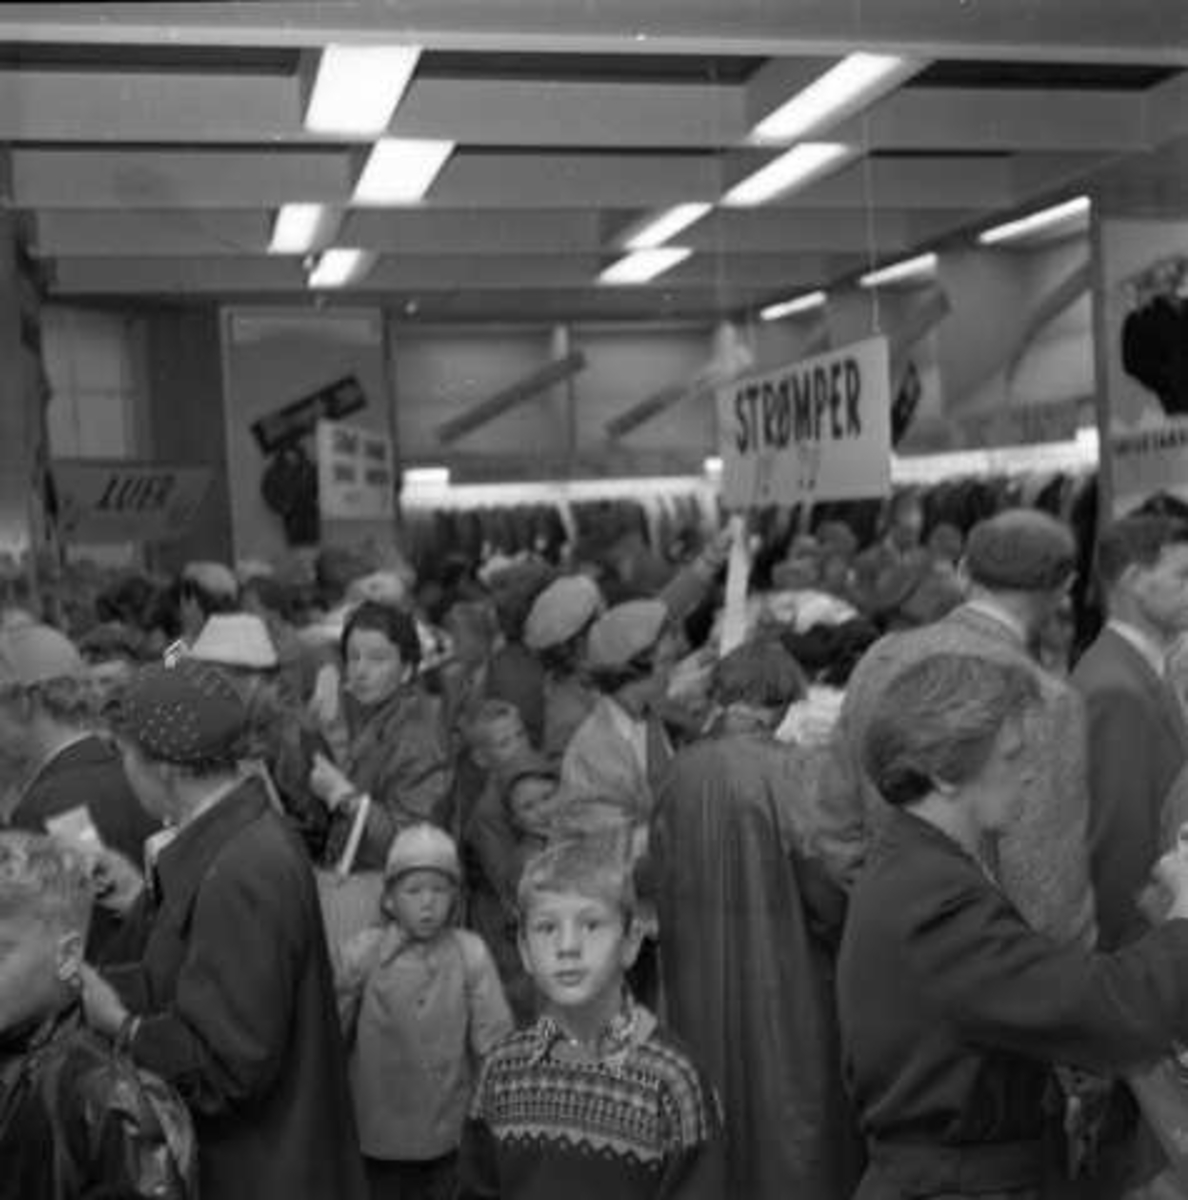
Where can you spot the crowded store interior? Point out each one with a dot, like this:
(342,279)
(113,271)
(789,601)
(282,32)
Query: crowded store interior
(594,600)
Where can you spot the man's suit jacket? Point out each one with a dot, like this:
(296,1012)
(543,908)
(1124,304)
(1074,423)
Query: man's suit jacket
(1138,744)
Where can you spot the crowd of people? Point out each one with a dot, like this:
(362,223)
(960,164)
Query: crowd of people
(548,877)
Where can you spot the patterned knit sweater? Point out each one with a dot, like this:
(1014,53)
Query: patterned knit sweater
(546,1124)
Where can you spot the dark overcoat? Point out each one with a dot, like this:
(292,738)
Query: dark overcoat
(237,1000)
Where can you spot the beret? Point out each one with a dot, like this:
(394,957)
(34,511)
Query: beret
(1021,550)
(236,640)
(188,714)
(625,632)
(32,654)
(562,611)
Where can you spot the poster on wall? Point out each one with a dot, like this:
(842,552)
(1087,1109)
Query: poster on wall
(113,501)
(356,476)
(818,429)
(1144,416)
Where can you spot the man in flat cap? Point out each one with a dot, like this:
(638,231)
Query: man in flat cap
(621,750)
(1019,565)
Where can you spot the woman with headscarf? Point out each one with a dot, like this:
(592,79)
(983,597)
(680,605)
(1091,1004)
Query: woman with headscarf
(745,917)
(397,762)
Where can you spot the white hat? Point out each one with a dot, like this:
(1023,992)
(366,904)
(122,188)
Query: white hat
(236,640)
(423,847)
(380,587)
(248,569)
(212,577)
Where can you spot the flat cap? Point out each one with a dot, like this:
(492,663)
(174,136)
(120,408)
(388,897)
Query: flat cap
(1021,550)
(562,611)
(33,654)
(625,632)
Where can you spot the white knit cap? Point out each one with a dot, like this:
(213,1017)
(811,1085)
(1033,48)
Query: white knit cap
(235,640)
(423,847)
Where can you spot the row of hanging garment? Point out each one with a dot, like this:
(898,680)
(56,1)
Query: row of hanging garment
(664,523)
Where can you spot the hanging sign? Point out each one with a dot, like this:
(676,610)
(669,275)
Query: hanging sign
(1022,424)
(114,501)
(819,429)
(356,478)
(296,420)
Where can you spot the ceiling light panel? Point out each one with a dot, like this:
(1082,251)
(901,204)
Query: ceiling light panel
(341,267)
(667,224)
(847,88)
(357,89)
(790,308)
(401,170)
(796,168)
(300,228)
(1043,221)
(642,266)
(920,267)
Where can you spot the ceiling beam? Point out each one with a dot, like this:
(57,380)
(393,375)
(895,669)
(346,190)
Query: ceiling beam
(1139,31)
(511,397)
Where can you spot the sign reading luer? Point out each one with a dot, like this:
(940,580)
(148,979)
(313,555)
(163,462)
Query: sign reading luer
(819,429)
(115,501)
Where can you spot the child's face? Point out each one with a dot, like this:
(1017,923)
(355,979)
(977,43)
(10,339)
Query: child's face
(422,902)
(31,954)
(577,950)
(530,802)
(503,742)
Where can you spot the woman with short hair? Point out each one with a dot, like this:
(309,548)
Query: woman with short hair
(398,756)
(952,1009)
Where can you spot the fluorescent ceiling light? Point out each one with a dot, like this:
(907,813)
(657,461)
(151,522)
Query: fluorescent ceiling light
(358,87)
(1046,218)
(713,465)
(401,170)
(789,308)
(427,477)
(843,90)
(339,267)
(299,228)
(641,266)
(909,268)
(798,166)
(668,224)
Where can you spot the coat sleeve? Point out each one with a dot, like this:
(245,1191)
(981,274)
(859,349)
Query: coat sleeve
(1010,988)
(1123,813)
(414,786)
(490,1017)
(222,1038)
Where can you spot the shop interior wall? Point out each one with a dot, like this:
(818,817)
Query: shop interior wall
(442,372)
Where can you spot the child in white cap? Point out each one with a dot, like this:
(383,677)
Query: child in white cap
(422,1005)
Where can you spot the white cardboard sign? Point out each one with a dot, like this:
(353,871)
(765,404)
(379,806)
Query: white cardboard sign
(819,429)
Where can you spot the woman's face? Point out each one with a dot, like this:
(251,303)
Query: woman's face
(375,668)
(148,784)
(998,792)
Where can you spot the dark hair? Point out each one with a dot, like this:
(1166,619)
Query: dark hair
(208,602)
(938,720)
(761,673)
(398,627)
(1136,541)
